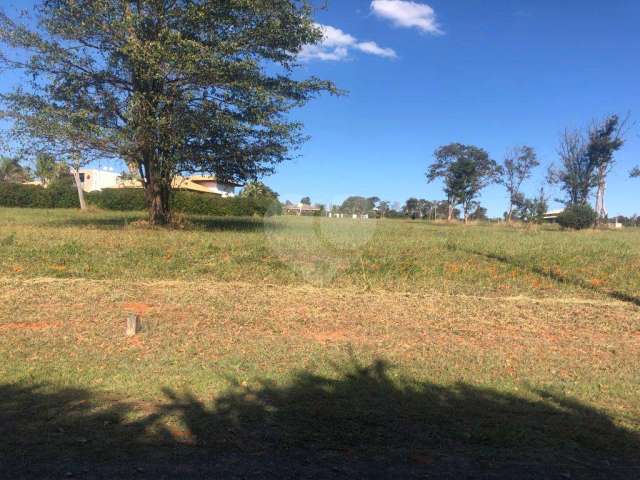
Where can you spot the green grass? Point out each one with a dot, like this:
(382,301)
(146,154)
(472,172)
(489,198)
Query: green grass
(486,342)
(390,255)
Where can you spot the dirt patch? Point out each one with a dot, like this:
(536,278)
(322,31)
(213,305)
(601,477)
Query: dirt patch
(334,336)
(135,342)
(138,308)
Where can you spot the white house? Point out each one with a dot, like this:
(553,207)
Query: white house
(206,185)
(552,215)
(301,209)
(95,180)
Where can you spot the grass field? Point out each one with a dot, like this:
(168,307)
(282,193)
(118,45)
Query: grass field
(366,346)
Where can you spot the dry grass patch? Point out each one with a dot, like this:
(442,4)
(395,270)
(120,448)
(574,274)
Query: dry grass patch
(241,330)
(236,367)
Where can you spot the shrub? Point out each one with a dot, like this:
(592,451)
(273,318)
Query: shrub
(122,199)
(125,199)
(577,217)
(63,194)
(17,195)
(204,204)
(60,194)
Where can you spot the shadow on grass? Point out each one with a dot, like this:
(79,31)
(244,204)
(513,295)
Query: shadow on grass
(107,223)
(234,224)
(197,223)
(365,422)
(556,276)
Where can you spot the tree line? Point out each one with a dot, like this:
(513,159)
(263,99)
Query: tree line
(585,160)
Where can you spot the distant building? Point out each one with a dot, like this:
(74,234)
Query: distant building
(301,209)
(205,185)
(552,215)
(355,216)
(617,225)
(96,180)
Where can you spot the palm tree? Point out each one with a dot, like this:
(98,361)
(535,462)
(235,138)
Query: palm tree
(11,171)
(257,189)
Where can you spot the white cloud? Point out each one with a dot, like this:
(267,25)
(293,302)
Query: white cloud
(408,14)
(335,46)
(334,37)
(319,52)
(374,49)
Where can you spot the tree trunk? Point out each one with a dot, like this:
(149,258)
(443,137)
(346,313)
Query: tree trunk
(450,214)
(465,211)
(510,213)
(76,177)
(600,207)
(158,201)
(158,193)
(157,187)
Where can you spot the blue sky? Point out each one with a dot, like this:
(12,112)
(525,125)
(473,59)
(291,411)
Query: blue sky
(493,73)
(500,73)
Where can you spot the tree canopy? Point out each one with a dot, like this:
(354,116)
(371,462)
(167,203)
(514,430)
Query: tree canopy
(359,205)
(46,168)
(530,210)
(576,172)
(170,86)
(518,167)
(479,214)
(605,138)
(465,170)
(586,159)
(256,189)
(421,208)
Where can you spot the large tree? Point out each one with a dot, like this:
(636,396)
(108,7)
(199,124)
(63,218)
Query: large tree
(605,138)
(576,174)
(412,207)
(585,161)
(383,207)
(41,129)
(169,86)
(479,213)
(358,205)
(517,167)
(465,170)
(432,210)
